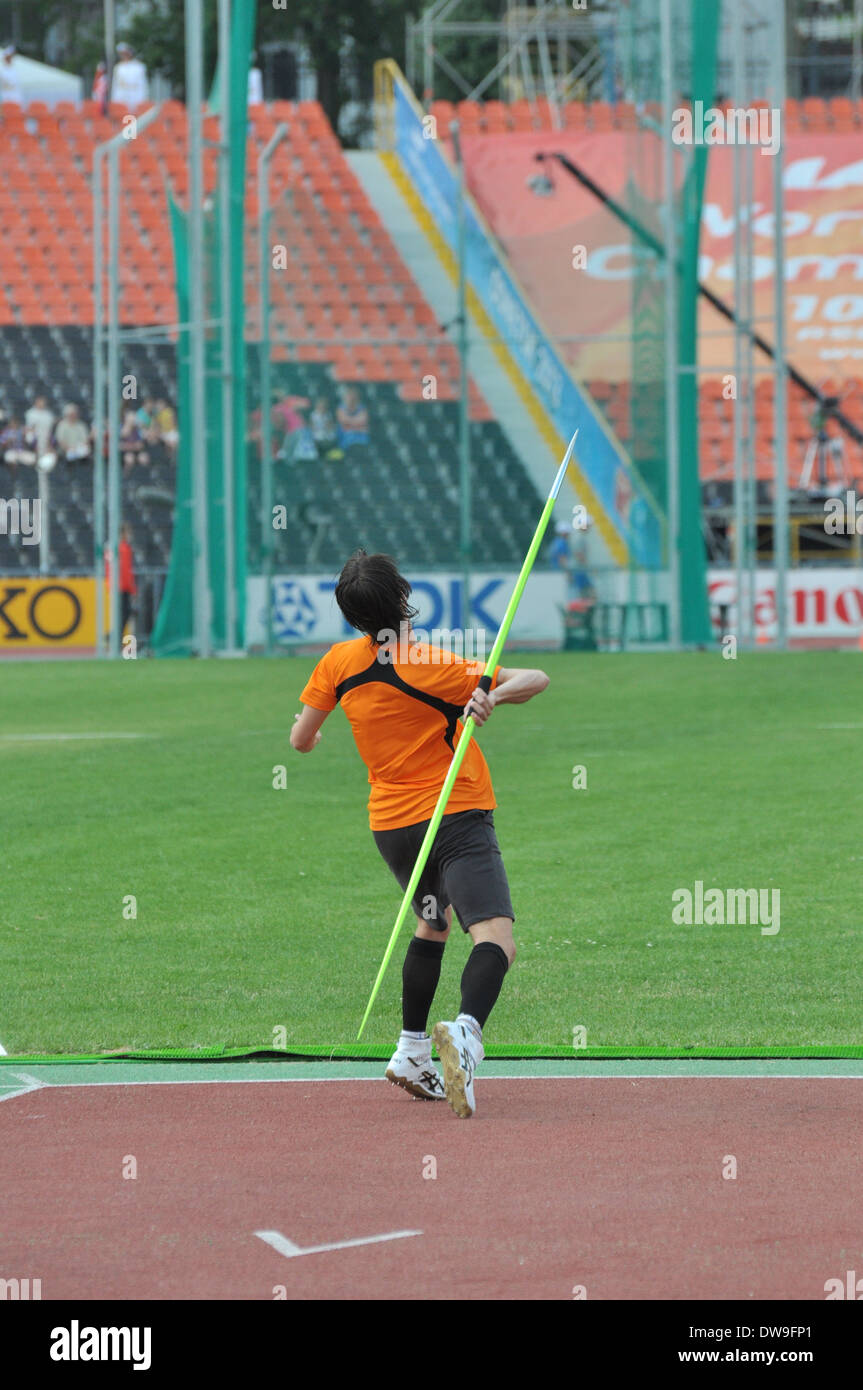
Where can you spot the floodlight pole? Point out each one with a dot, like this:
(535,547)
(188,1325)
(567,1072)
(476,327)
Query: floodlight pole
(44,521)
(110,25)
(98,407)
(740,529)
(672,337)
(463,415)
(264,159)
(197,328)
(109,149)
(780,385)
(226,335)
(114,490)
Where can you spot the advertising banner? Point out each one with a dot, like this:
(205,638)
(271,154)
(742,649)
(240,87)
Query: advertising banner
(825,606)
(587,311)
(45,614)
(305,611)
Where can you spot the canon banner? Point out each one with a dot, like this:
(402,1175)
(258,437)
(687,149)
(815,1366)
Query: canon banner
(824,606)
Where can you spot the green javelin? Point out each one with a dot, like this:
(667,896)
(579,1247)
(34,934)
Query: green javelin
(469,726)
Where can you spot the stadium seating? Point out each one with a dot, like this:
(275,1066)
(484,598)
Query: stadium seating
(814,114)
(347,311)
(413,459)
(716,426)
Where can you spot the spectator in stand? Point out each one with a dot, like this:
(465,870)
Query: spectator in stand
(99,93)
(126,583)
(126,570)
(10,87)
(325,431)
(353,419)
(40,421)
(72,437)
(256,84)
(285,413)
(166,423)
(17,444)
(558,552)
(132,446)
(129,87)
(146,416)
(297,445)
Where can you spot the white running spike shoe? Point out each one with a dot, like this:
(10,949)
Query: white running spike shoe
(460,1052)
(412,1068)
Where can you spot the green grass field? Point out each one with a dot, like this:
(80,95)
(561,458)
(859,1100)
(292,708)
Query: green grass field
(260,909)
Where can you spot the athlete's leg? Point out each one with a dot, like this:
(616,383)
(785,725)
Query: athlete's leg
(476,883)
(492,955)
(429,933)
(421,972)
(498,930)
(411,1066)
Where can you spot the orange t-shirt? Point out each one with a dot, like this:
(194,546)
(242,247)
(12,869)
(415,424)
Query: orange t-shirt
(405,720)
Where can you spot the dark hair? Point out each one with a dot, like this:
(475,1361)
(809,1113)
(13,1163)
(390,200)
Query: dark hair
(372,595)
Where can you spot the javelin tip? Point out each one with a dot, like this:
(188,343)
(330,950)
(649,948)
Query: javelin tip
(561,472)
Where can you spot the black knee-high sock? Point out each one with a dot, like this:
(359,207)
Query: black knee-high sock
(482,979)
(420,975)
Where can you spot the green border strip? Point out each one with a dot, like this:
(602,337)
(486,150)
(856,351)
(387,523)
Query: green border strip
(377,1052)
(41,1076)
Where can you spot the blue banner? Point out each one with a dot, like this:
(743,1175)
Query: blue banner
(603,462)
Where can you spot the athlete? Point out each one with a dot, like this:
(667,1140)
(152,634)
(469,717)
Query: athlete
(404,700)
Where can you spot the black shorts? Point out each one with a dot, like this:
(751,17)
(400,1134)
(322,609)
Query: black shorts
(464,869)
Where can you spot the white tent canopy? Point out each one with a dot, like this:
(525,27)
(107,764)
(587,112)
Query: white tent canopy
(39,82)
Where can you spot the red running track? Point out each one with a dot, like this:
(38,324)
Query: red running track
(611,1184)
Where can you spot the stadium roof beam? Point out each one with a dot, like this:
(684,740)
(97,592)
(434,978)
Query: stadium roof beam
(524,33)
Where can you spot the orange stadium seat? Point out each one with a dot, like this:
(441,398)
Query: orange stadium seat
(844,113)
(575,115)
(468,114)
(793,117)
(816,115)
(522,115)
(601,116)
(496,117)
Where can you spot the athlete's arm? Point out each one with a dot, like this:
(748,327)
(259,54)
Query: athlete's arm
(514,687)
(307,728)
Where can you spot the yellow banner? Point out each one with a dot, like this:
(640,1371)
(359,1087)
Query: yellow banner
(46,613)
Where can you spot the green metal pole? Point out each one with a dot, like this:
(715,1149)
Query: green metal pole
(203,605)
(463,420)
(114,480)
(98,402)
(226,333)
(266,423)
(458,755)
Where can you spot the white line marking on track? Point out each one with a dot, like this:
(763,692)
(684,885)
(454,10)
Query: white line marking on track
(290,1250)
(31,1085)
